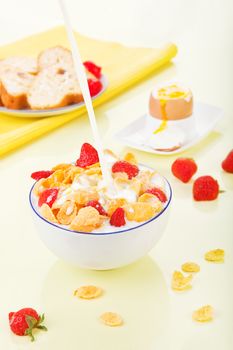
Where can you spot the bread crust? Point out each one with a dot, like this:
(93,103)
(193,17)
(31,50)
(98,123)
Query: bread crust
(24,84)
(13,101)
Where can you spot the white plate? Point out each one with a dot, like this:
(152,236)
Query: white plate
(32,113)
(135,134)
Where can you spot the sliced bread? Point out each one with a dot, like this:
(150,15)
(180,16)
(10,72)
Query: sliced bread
(16,76)
(53,88)
(57,56)
(23,64)
(14,88)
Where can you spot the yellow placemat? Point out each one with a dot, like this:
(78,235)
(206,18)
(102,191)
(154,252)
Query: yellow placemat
(122,65)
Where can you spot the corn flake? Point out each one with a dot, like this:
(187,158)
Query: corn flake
(216,255)
(67,213)
(139,211)
(114,204)
(87,220)
(151,199)
(88,292)
(190,267)
(94,171)
(39,187)
(62,166)
(47,213)
(204,314)
(144,177)
(120,178)
(136,186)
(180,282)
(129,157)
(111,319)
(82,197)
(56,178)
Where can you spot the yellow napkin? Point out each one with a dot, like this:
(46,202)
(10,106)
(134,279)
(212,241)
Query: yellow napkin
(122,65)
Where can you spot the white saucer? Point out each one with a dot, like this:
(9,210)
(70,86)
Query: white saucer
(31,113)
(136,135)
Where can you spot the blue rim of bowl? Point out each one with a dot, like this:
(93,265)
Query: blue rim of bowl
(101,233)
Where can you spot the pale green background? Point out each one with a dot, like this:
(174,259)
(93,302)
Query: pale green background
(155,317)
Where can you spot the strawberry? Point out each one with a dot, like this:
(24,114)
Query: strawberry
(95,86)
(42,174)
(205,188)
(158,193)
(24,321)
(122,166)
(93,68)
(118,218)
(184,168)
(48,196)
(227,164)
(88,156)
(97,206)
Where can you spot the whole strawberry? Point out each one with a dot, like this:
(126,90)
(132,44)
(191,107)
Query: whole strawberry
(227,164)
(118,218)
(184,169)
(24,321)
(88,156)
(205,188)
(125,167)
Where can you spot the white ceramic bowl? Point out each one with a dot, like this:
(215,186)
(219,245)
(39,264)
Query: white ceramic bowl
(102,251)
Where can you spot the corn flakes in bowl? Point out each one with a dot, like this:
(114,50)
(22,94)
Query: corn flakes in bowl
(97,226)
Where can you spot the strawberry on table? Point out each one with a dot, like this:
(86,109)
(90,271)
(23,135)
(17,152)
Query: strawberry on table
(227,163)
(48,197)
(158,193)
(184,169)
(205,188)
(125,167)
(88,156)
(42,174)
(118,218)
(24,321)
(93,68)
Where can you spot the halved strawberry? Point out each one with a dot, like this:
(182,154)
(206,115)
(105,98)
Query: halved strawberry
(42,174)
(158,193)
(93,68)
(122,166)
(95,86)
(97,206)
(118,218)
(48,197)
(88,156)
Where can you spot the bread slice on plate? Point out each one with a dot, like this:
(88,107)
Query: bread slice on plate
(57,56)
(16,76)
(23,64)
(53,88)
(14,88)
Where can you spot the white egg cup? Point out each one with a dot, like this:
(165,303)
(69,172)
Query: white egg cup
(176,132)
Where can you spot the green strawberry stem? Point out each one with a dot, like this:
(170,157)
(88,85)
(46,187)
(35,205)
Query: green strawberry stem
(34,323)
